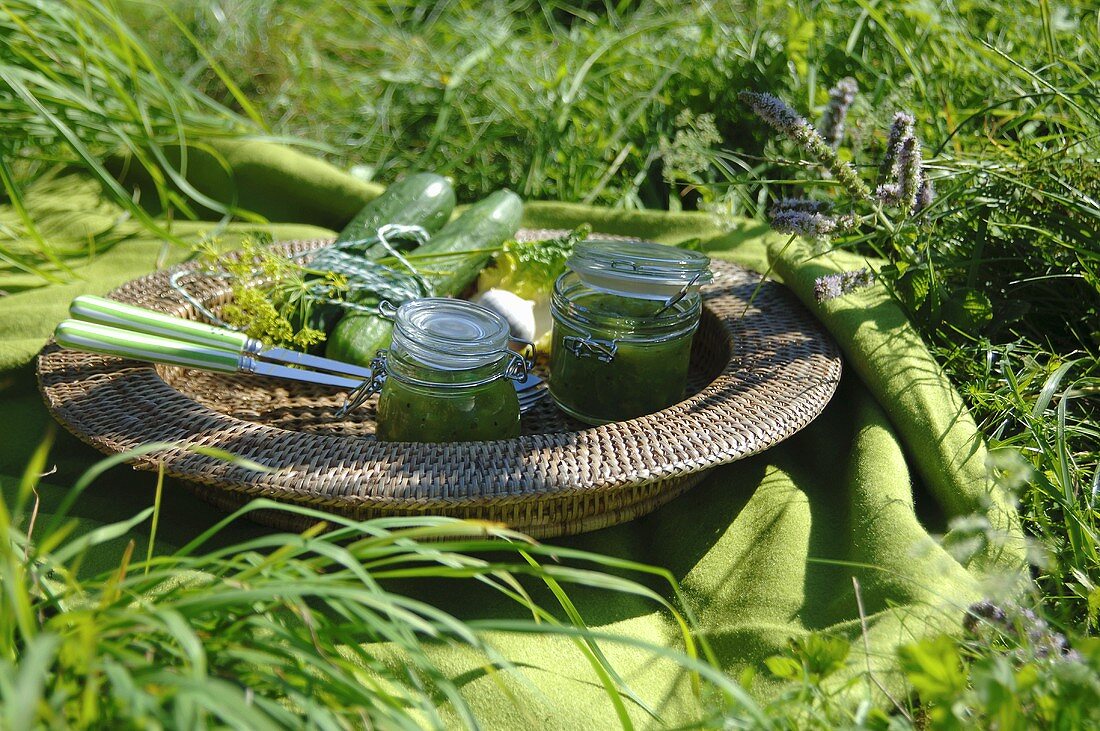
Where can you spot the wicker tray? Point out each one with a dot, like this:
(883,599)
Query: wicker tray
(759,373)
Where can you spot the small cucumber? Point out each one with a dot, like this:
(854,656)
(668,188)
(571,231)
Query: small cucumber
(424,199)
(485,225)
(356,338)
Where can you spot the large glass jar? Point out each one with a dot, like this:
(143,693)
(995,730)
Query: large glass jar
(447,375)
(624,318)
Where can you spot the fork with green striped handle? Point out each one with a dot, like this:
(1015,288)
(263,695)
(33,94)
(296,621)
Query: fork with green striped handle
(107,340)
(103,311)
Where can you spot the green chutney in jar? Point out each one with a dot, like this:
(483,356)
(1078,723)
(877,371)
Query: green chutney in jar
(447,375)
(624,320)
(411,413)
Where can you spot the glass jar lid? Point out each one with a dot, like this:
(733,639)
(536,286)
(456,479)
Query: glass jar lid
(640,269)
(450,334)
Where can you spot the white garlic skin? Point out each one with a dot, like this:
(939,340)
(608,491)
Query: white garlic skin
(519,312)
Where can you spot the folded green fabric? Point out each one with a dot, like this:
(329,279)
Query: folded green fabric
(766,549)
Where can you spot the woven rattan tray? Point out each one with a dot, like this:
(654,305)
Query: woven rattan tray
(762,368)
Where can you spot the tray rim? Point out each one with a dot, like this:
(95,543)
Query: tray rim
(176,460)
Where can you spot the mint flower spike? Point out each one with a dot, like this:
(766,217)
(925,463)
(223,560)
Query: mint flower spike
(811,225)
(832,286)
(910,172)
(925,195)
(778,114)
(902,182)
(807,205)
(900,130)
(841,97)
(889,194)
(789,123)
(807,218)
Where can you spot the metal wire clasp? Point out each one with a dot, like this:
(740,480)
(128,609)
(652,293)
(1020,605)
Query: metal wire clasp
(359,395)
(526,355)
(518,366)
(589,347)
(387,310)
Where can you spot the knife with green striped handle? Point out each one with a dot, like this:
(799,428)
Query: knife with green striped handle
(103,311)
(106,340)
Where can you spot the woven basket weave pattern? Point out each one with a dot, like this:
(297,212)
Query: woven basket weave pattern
(762,368)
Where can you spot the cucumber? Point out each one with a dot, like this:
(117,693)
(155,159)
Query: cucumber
(357,338)
(424,199)
(484,225)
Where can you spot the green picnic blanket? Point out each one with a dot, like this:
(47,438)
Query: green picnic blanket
(765,549)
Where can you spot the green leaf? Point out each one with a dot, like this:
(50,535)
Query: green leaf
(968,310)
(1089,647)
(529,268)
(823,654)
(913,288)
(1027,678)
(935,669)
(784,667)
(800,34)
(995,683)
(31,682)
(1094,605)
(99,536)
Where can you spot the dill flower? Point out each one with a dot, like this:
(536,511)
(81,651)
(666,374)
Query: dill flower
(689,152)
(261,319)
(841,97)
(785,120)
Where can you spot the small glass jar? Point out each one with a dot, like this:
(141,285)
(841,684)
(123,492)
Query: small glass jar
(624,318)
(447,375)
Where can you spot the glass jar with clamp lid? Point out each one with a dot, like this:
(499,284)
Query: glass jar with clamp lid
(624,317)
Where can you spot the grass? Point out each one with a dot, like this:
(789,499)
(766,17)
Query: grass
(637,107)
(634,105)
(77,84)
(1000,273)
(288,630)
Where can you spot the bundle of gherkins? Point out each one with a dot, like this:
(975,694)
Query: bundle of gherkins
(448,263)
(332,301)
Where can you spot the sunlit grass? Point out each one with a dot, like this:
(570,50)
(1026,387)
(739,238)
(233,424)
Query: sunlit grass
(288,629)
(77,84)
(621,104)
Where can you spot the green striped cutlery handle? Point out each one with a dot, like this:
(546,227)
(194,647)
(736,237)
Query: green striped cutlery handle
(139,346)
(103,311)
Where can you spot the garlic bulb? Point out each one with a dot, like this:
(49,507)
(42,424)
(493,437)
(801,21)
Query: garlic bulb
(519,313)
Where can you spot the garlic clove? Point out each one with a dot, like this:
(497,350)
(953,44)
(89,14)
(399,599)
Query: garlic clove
(519,312)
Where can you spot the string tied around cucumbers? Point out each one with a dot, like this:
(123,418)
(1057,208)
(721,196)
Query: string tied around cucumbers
(365,284)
